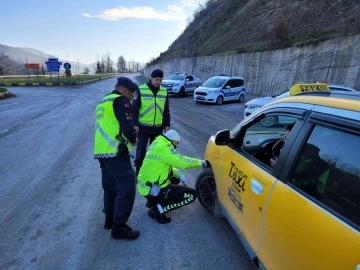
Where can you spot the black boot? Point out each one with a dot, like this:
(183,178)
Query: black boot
(121,231)
(160,218)
(148,204)
(108,222)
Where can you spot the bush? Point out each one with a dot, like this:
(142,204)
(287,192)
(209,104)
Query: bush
(3,90)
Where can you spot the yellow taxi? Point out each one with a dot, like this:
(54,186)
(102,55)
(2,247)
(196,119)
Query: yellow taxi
(291,191)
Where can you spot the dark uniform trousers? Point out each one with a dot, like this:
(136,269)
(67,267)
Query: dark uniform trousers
(118,181)
(173,197)
(143,139)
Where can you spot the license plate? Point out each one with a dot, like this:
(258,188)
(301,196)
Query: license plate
(200,97)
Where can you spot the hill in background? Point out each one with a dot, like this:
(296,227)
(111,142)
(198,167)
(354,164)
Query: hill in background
(19,55)
(237,26)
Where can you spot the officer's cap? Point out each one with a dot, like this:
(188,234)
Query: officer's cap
(126,82)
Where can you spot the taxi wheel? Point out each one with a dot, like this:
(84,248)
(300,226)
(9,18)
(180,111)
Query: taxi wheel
(219,100)
(182,92)
(206,190)
(270,121)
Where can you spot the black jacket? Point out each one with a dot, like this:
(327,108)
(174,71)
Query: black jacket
(122,110)
(136,105)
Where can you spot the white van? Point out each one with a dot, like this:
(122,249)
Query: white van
(221,88)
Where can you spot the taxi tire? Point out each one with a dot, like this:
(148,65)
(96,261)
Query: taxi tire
(200,184)
(219,100)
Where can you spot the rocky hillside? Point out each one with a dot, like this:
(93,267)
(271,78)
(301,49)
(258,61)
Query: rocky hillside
(236,26)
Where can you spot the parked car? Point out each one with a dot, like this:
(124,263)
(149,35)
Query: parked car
(256,103)
(222,88)
(180,84)
(303,212)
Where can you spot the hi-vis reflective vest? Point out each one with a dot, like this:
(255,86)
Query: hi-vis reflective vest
(152,108)
(157,167)
(107,127)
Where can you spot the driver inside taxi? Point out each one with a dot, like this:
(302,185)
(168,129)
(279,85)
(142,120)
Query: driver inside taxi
(287,133)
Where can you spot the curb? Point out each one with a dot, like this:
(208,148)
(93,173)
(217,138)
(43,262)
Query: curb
(55,83)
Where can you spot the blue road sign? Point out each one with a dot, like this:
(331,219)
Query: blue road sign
(67,66)
(53,70)
(53,63)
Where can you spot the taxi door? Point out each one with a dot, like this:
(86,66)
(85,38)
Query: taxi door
(304,231)
(243,193)
(245,181)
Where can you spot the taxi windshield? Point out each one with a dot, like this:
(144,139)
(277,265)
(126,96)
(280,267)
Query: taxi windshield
(176,77)
(214,83)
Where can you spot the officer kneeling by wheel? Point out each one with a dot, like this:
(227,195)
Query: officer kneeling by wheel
(158,180)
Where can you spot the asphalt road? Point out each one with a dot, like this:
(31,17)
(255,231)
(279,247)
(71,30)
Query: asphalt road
(51,195)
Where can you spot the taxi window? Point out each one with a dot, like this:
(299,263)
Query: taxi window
(328,169)
(263,140)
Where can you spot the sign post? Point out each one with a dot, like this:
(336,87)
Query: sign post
(31,66)
(53,65)
(67,67)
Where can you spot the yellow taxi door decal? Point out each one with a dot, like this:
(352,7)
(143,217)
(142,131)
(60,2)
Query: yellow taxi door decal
(243,202)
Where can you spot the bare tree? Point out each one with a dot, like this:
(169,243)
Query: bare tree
(5,62)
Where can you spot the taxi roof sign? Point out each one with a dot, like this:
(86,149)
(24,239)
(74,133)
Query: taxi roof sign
(308,87)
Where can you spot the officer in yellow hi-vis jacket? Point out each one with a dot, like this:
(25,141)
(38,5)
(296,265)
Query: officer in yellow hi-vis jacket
(114,136)
(158,178)
(151,114)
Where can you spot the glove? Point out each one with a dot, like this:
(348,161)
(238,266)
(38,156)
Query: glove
(205,164)
(183,179)
(155,190)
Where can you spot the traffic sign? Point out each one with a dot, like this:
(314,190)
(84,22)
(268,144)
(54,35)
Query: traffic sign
(32,65)
(68,73)
(53,65)
(67,66)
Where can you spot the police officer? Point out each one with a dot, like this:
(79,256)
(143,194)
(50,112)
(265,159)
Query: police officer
(158,178)
(151,114)
(114,136)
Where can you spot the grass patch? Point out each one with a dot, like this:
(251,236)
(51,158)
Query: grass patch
(54,79)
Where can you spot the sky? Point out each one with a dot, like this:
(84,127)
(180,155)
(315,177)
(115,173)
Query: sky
(85,30)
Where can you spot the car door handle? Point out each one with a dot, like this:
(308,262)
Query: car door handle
(256,187)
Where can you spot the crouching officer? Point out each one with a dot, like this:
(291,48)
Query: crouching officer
(114,136)
(158,179)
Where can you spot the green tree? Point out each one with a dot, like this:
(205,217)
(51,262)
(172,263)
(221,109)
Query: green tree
(121,64)
(98,68)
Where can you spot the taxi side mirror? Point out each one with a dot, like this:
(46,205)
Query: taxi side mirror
(222,137)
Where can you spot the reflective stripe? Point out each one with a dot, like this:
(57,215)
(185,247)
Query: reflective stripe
(159,108)
(149,125)
(108,99)
(146,111)
(111,155)
(189,199)
(148,95)
(106,137)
